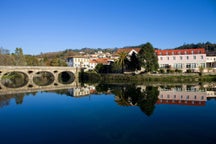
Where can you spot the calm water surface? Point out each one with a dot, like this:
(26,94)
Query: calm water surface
(123,115)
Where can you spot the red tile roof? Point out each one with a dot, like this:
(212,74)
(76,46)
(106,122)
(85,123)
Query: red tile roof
(127,50)
(168,51)
(182,102)
(180,51)
(100,60)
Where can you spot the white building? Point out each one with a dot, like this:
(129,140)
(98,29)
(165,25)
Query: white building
(182,59)
(78,61)
(211,62)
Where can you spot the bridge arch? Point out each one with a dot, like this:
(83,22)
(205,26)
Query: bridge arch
(66,77)
(32,71)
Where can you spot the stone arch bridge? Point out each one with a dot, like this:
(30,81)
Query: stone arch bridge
(31,71)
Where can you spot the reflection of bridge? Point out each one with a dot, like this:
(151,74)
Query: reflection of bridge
(31,72)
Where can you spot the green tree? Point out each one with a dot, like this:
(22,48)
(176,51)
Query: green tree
(148,58)
(122,59)
(19,57)
(31,60)
(57,62)
(134,63)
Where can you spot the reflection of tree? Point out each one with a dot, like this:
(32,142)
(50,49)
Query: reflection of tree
(131,95)
(147,104)
(19,98)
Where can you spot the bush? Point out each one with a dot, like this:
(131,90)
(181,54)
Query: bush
(178,71)
(162,71)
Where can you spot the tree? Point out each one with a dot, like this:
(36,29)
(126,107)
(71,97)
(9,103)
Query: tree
(19,57)
(134,63)
(122,59)
(31,60)
(150,97)
(57,62)
(148,58)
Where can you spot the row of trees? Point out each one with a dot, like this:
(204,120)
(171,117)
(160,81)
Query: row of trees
(146,58)
(209,47)
(19,59)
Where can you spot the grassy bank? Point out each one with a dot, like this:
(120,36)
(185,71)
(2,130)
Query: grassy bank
(92,77)
(151,78)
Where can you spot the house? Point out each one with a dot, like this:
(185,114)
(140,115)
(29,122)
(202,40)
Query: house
(93,62)
(78,61)
(211,62)
(183,59)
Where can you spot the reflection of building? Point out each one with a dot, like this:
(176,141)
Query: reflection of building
(83,91)
(211,93)
(184,95)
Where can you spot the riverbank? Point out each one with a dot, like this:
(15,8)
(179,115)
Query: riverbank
(92,77)
(152,78)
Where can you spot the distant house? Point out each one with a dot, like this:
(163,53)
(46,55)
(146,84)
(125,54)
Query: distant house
(211,61)
(78,61)
(86,62)
(93,62)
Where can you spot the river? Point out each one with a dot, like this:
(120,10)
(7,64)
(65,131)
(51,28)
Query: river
(110,114)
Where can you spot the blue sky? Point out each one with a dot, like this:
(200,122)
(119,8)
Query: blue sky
(54,25)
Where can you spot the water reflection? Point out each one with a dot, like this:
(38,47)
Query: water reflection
(145,97)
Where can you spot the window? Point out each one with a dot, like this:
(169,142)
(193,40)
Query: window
(202,65)
(161,58)
(168,96)
(193,65)
(181,57)
(188,65)
(187,57)
(195,97)
(201,57)
(174,96)
(194,57)
(174,58)
(187,97)
(202,97)
(167,58)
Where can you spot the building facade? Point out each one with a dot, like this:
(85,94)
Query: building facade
(183,59)
(78,61)
(211,62)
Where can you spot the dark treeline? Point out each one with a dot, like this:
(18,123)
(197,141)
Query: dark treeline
(209,47)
